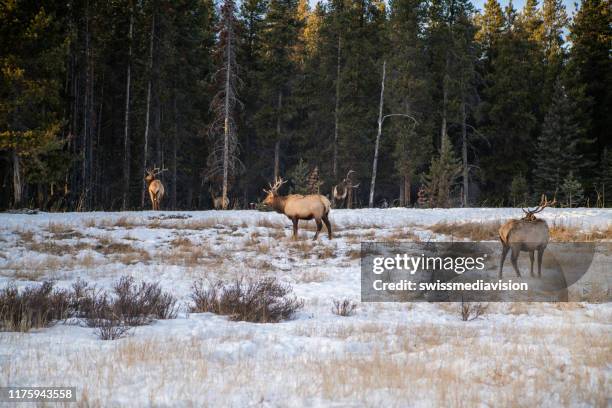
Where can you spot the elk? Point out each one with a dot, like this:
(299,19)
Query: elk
(300,207)
(218,202)
(344,189)
(155,186)
(527,234)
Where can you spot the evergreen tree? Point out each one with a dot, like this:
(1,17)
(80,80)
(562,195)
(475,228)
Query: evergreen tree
(508,116)
(408,92)
(572,190)
(31,97)
(442,175)
(519,190)
(298,176)
(556,152)
(588,76)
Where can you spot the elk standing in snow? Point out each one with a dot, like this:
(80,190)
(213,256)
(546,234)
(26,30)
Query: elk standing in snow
(300,207)
(218,202)
(528,234)
(155,187)
(343,191)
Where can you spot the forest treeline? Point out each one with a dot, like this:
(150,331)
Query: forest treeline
(491,107)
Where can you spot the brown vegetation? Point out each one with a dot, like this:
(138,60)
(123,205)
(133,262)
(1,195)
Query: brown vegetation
(260,301)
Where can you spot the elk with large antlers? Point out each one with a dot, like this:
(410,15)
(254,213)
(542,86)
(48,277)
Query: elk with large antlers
(527,234)
(155,186)
(300,207)
(343,191)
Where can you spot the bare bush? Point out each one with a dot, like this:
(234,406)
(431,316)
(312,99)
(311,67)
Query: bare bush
(36,306)
(344,308)
(471,311)
(261,301)
(129,305)
(138,305)
(111,329)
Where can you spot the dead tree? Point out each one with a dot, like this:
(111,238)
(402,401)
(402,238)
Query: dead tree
(126,133)
(223,159)
(381,119)
(148,108)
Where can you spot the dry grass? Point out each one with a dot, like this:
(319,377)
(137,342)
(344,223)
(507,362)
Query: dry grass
(400,234)
(564,233)
(423,364)
(310,276)
(474,231)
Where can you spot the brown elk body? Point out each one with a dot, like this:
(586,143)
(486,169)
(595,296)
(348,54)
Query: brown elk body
(343,191)
(528,234)
(218,202)
(155,187)
(300,207)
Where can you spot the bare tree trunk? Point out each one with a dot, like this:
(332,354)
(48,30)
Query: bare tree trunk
(147,116)
(278,136)
(336,112)
(380,121)
(97,163)
(226,128)
(126,134)
(85,132)
(444,102)
(174,154)
(16,179)
(464,154)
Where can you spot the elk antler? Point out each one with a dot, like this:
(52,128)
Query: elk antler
(530,214)
(277,184)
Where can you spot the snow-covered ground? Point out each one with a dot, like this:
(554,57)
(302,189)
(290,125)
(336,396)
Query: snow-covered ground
(387,354)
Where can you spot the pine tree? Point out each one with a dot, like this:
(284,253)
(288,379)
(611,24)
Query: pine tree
(490,24)
(588,76)
(572,190)
(519,190)
(408,92)
(442,175)
(30,97)
(299,178)
(508,116)
(557,148)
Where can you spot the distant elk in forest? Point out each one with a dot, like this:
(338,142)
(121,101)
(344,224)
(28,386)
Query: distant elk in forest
(155,187)
(300,207)
(343,191)
(217,201)
(527,234)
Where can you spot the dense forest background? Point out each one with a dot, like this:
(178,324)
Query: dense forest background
(478,108)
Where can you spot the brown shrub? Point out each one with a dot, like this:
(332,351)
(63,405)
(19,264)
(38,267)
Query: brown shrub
(261,301)
(344,308)
(36,306)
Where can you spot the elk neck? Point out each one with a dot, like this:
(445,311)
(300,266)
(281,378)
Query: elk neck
(278,203)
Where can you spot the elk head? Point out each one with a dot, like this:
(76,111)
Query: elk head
(272,191)
(151,174)
(530,214)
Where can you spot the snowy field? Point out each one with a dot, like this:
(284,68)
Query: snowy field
(386,355)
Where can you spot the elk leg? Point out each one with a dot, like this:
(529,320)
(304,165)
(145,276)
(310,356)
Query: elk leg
(540,255)
(319,228)
(514,257)
(328,226)
(505,250)
(295,227)
(152,197)
(531,256)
